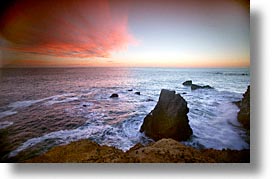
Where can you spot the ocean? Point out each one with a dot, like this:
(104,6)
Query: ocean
(45,107)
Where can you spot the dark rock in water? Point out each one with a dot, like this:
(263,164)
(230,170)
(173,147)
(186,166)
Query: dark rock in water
(84,105)
(194,87)
(148,100)
(244,113)
(137,93)
(207,87)
(130,90)
(168,119)
(114,95)
(187,83)
(184,93)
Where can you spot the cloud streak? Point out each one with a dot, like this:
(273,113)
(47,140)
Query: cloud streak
(65,28)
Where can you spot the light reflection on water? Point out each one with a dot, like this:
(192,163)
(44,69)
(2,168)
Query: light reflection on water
(116,122)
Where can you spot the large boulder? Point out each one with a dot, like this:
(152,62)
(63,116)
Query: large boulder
(244,113)
(168,119)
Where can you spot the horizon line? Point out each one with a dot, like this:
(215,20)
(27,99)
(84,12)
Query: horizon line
(41,67)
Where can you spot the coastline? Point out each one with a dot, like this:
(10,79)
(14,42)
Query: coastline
(35,115)
(165,150)
(162,151)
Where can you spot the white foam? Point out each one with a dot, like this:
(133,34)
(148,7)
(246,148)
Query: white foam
(5,124)
(7,113)
(55,101)
(212,117)
(23,104)
(220,131)
(63,136)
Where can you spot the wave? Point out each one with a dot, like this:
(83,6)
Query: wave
(230,73)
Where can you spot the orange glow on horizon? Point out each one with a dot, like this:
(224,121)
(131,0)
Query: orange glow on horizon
(111,33)
(105,62)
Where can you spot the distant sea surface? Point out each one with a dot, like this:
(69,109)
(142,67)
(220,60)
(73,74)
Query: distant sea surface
(45,107)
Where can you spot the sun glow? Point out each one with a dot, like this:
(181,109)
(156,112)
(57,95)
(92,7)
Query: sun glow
(125,33)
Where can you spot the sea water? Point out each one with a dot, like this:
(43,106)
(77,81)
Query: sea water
(116,122)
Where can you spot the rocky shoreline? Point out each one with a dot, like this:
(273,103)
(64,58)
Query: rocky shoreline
(244,113)
(171,109)
(162,151)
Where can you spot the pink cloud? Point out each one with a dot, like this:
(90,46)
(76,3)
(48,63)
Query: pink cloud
(66,28)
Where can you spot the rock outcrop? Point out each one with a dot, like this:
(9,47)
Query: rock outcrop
(194,86)
(114,95)
(244,113)
(164,150)
(187,83)
(81,152)
(168,119)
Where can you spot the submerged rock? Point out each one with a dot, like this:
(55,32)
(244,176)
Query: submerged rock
(168,119)
(130,90)
(194,87)
(187,83)
(244,113)
(137,93)
(114,95)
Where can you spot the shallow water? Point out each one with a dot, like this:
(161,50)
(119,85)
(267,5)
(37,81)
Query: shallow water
(84,93)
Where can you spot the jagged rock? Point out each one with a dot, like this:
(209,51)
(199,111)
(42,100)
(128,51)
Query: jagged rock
(164,150)
(168,119)
(244,113)
(187,83)
(114,95)
(194,87)
(137,93)
(81,152)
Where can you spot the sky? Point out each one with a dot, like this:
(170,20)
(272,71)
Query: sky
(125,33)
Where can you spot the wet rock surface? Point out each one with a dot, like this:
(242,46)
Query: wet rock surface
(244,113)
(114,95)
(194,87)
(137,93)
(187,83)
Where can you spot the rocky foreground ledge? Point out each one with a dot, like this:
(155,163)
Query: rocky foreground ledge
(162,151)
